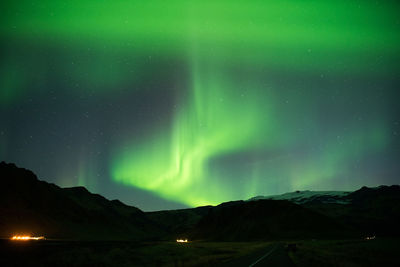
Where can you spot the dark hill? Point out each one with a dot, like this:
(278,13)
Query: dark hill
(179,223)
(368,211)
(30,206)
(372,211)
(263,220)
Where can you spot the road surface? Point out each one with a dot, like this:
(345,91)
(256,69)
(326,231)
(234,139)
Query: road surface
(273,255)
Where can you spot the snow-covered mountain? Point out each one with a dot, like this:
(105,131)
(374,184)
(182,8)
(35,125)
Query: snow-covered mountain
(307,196)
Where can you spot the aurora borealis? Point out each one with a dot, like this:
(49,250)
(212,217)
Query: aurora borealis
(166,104)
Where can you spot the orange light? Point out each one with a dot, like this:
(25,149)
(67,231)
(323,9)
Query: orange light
(26,238)
(182,240)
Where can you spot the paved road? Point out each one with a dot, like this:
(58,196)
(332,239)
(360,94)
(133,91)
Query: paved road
(273,255)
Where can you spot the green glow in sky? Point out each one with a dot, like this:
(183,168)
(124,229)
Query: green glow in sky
(217,117)
(261,98)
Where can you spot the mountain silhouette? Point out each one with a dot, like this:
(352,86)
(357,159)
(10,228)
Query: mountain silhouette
(265,220)
(368,211)
(30,206)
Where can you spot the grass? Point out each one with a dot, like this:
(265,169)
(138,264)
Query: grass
(131,254)
(198,253)
(347,253)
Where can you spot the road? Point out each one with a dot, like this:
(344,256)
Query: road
(273,255)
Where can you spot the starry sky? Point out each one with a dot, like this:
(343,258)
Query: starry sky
(172,104)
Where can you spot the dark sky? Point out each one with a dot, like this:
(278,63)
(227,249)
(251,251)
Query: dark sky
(169,104)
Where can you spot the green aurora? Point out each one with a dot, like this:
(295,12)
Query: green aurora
(268,97)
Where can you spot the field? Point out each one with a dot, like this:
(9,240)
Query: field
(347,253)
(77,253)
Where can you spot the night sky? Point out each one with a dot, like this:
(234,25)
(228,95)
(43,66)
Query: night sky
(171,104)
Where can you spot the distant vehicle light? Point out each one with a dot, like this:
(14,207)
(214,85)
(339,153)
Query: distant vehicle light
(370,237)
(182,240)
(26,238)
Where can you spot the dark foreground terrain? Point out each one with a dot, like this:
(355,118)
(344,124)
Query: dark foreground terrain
(115,253)
(378,252)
